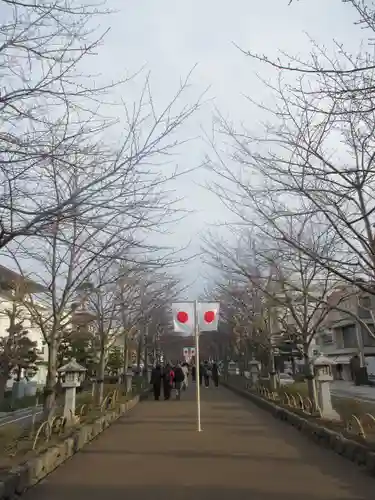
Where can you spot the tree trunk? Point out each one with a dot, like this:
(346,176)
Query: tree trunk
(100,379)
(293,366)
(100,372)
(51,380)
(310,377)
(145,354)
(272,371)
(139,353)
(126,363)
(3,383)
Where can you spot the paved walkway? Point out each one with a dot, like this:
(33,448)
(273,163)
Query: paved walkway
(345,389)
(243,453)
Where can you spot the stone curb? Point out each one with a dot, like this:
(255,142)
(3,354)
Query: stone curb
(21,478)
(349,449)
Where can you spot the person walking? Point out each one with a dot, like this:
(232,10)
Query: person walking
(168,377)
(206,375)
(179,377)
(201,370)
(215,374)
(193,373)
(185,369)
(156,379)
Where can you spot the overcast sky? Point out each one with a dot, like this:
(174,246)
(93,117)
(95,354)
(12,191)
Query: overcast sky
(169,37)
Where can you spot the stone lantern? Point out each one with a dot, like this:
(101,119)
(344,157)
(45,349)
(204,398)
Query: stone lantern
(254,371)
(71,376)
(323,379)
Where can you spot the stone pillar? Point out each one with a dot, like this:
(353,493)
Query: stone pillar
(129,379)
(71,376)
(70,403)
(325,401)
(254,372)
(323,378)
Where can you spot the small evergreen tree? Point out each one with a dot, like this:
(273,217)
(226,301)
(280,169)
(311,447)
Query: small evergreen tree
(26,357)
(17,350)
(115,361)
(80,347)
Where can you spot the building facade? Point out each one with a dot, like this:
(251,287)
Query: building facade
(342,336)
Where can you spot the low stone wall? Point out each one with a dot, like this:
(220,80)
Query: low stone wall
(21,478)
(350,449)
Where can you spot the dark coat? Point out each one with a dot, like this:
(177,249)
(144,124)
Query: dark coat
(205,370)
(179,375)
(156,376)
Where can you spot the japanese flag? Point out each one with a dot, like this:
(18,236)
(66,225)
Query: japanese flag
(186,352)
(192,352)
(208,316)
(183,317)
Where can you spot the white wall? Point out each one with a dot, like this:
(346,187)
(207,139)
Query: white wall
(34,334)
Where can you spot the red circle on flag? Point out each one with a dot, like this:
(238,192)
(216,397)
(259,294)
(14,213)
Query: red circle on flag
(209,316)
(182,317)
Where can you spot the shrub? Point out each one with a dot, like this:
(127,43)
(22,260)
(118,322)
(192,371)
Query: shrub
(297,387)
(10,404)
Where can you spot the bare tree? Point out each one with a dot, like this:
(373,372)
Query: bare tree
(115,200)
(313,162)
(115,302)
(296,171)
(293,290)
(55,122)
(158,290)
(65,263)
(314,156)
(243,312)
(79,200)
(106,307)
(41,47)
(339,77)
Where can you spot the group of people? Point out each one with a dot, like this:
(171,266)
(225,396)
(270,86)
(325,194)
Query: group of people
(169,377)
(177,377)
(206,371)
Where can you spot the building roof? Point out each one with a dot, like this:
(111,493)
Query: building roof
(72,366)
(11,278)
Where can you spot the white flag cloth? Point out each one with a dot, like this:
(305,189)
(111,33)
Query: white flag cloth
(183,317)
(208,316)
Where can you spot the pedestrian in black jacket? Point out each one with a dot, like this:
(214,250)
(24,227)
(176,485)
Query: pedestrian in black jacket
(168,377)
(193,373)
(206,374)
(179,377)
(215,374)
(201,370)
(156,378)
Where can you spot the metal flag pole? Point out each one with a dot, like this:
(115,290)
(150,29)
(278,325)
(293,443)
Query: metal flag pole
(197,366)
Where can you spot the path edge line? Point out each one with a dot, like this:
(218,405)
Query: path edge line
(327,438)
(20,478)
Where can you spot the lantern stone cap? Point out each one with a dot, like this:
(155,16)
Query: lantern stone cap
(72,366)
(322,360)
(254,362)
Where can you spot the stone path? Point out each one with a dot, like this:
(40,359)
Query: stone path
(343,389)
(155,453)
